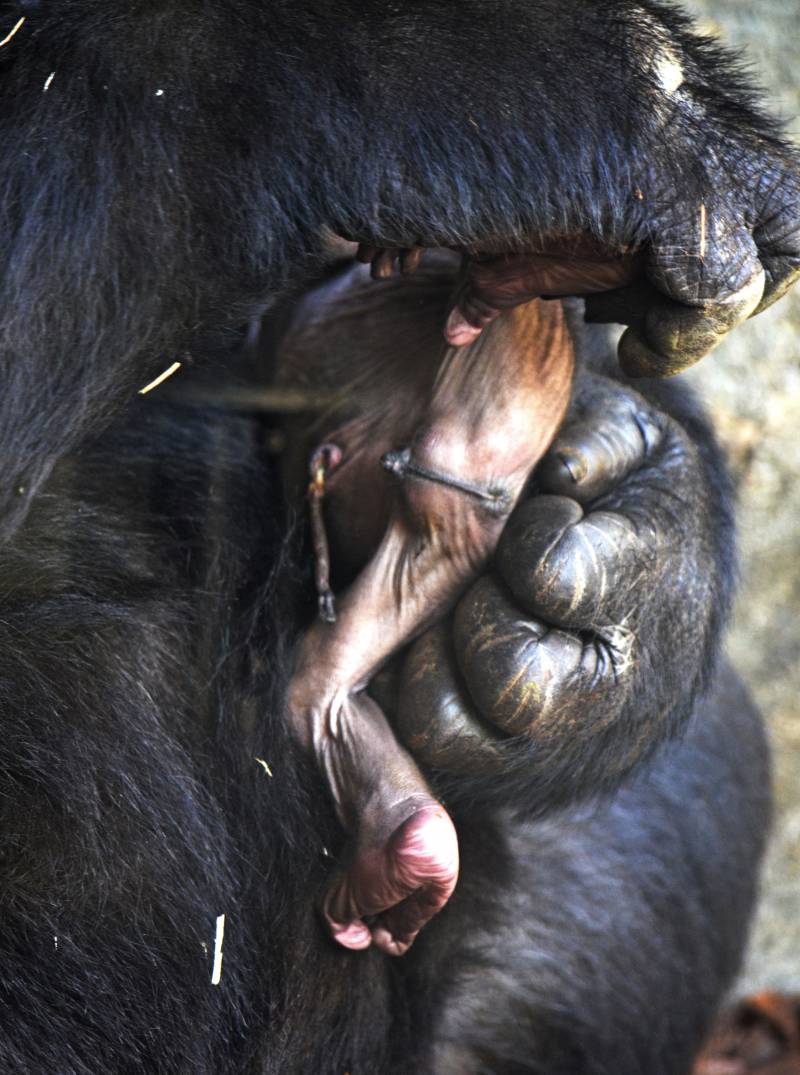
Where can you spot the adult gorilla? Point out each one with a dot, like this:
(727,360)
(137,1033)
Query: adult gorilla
(148,782)
(167,167)
(166,170)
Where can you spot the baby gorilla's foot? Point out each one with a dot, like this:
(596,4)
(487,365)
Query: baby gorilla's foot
(403,872)
(403,866)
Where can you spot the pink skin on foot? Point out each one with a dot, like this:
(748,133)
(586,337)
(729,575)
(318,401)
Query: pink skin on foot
(403,865)
(413,875)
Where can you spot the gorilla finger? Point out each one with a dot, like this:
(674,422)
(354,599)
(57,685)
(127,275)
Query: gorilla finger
(410,259)
(384,264)
(366,254)
(777,233)
(710,279)
(782,273)
(572,570)
(526,677)
(673,337)
(385,261)
(604,442)
(435,719)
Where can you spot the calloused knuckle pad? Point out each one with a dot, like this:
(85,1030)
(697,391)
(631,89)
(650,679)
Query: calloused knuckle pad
(571,569)
(524,676)
(435,718)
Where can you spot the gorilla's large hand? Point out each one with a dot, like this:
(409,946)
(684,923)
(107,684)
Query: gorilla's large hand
(719,249)
(661,153)
(586,645)
(711,260)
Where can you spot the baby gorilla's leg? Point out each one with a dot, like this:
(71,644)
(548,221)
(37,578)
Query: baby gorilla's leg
(404,858)
(403,863)
(493,410)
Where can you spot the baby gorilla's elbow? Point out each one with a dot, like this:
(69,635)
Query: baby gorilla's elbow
(460,516)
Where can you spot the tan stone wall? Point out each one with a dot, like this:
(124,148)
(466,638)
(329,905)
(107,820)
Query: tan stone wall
(752,385)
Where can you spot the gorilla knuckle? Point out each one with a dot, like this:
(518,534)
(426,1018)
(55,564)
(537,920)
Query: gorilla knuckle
(526,676)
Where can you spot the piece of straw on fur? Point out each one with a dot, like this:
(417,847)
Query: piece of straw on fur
(216,972)
(12,31)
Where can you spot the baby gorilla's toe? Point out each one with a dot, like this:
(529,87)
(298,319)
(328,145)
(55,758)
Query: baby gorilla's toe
(400,884)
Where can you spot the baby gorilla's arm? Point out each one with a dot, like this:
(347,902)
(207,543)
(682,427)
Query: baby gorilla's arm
(494,408)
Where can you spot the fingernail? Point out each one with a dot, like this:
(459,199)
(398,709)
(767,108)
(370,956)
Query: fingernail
(458,331)
(355,936)
(574,466)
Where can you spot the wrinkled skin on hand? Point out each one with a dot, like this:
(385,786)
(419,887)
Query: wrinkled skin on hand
(582,649)
(721,247)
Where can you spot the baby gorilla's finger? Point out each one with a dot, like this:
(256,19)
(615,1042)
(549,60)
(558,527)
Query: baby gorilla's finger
(526,677)
(435,718)
(410,259)
(570,569)
(381,260)
(366,253)
(385,261)
(609,432)
(384,264)
(494,284)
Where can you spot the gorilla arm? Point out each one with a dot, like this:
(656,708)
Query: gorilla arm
(150,195)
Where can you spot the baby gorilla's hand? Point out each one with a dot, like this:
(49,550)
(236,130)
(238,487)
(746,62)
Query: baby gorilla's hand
(586,645)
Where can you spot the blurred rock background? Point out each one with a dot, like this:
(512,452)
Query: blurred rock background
(752,386)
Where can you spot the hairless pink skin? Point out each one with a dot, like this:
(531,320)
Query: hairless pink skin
(493,409)
(575,265)
(498,283)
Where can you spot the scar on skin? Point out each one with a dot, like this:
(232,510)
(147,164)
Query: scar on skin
(668,72)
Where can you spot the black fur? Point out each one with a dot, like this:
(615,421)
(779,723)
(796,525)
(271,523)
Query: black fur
(149,601)
(178,171)
(180,166)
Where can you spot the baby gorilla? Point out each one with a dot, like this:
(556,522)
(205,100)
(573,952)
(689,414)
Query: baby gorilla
(460,430)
